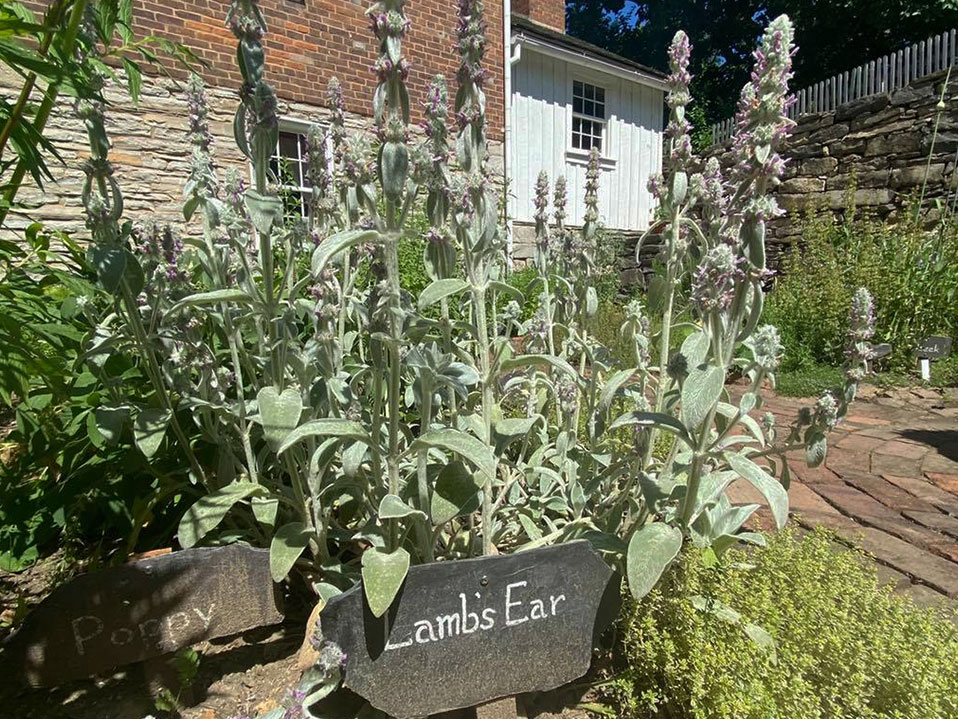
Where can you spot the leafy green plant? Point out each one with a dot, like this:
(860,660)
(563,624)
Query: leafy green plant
(844,647)
(185,665)
(62,479)
(50,52)
(807,380)
(911,272)
(356,429)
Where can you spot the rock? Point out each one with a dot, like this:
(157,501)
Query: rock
(900,143)
(832,132)
(913,176)
(909,95)
(501,709)
(838,199)
(819,166)
(874,178)
(866,105)
(803,185)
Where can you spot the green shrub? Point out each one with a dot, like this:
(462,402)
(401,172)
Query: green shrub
(62,483)
(845,648)
(911,272)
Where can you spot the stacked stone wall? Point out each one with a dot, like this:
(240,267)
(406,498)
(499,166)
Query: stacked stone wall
(871,156)
(308,43)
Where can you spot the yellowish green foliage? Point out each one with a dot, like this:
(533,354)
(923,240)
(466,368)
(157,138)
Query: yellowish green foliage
(845,648)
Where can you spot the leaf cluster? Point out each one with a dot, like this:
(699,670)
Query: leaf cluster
(844,646)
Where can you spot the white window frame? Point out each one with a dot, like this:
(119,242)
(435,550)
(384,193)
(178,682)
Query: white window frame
(592,119)
(297,126)
(607,157)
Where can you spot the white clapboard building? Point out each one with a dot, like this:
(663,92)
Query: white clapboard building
(567,96)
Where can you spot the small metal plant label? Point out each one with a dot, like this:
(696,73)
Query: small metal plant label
(465,632)
(144,609)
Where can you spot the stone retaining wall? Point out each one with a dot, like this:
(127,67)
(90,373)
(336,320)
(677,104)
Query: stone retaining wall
(871,154)
(150,154)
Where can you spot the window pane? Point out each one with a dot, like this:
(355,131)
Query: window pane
(600,94)
(289,145)
(576,124)
(577,88)
(576,104)
(597,142)
(590,92)
(589,108)
(599,110)
(290,172)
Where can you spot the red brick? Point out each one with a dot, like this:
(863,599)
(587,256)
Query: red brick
(903,449)
(924,489)
(934,571)
(935,520)
(889,494)
(544,12)
(947,482)
(321,36)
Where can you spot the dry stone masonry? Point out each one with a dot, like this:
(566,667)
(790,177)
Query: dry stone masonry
(871,155)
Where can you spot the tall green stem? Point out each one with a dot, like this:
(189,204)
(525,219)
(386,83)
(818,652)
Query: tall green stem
(665,339)
(16,114)
(152,367)
(422,473)
(485,365)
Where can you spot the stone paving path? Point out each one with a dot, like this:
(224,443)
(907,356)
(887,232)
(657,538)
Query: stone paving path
(889,484)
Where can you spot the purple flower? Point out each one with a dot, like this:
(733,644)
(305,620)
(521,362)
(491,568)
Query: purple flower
(861,328)
(678,98)
(560,199)
(713,285)
(761,122)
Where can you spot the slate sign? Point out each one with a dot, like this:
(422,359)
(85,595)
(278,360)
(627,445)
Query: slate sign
(934,348)
(881,350)
(465,632)
(143,609)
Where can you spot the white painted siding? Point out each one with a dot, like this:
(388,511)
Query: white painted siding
(541,140)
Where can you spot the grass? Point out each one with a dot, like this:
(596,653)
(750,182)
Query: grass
(813,379)
(808,381)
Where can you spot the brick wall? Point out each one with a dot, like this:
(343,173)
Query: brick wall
(311,40)
(307,43)
(544,12)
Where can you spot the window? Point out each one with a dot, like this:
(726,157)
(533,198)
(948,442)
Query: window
(588,116)
(288,166)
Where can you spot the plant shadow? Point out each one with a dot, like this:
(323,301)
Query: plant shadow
(945,441)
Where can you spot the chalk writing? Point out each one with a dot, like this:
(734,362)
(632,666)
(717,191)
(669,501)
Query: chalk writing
(469,626)
(143,609)
(469,618)
(149,632)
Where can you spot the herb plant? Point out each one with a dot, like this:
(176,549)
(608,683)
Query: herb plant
(357,430)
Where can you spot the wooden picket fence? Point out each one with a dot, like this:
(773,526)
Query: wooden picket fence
(886,74)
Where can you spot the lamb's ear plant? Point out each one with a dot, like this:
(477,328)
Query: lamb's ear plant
(356,430)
